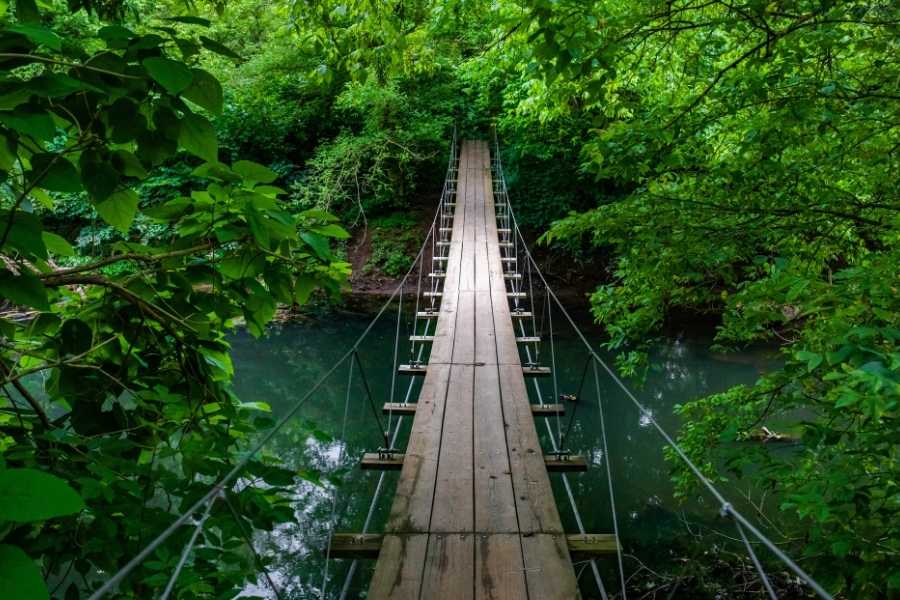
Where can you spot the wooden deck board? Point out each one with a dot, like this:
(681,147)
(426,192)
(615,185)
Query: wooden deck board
(495,505)
(474,514)
(453,508)
(499,570)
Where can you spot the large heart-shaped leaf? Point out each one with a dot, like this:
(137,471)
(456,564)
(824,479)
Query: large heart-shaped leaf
(205,91)
(198,137)
(30,495)
(171,74)
(21,579)
(119,209)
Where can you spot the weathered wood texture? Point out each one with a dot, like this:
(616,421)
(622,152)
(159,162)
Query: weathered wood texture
(474,515)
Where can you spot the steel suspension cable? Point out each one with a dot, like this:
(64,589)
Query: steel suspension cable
(225,480)
(759,569)
(726,507)
(185,552)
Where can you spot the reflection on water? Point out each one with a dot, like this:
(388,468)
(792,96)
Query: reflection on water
(282,367)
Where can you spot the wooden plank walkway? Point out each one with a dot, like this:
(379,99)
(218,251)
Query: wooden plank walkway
(474,515)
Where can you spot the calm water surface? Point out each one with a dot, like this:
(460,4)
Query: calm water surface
(280,368)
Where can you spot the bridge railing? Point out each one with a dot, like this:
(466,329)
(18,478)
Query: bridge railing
(420,286)
(525,278)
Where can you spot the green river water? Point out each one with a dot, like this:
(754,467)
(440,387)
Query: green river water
(281,367)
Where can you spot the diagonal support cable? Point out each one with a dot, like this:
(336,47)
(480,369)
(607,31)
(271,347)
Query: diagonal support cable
(242,527)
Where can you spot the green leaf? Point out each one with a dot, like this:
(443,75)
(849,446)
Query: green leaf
(56,173)
(119,209)
(29,120)
(23,290)
(25,234)
(205,91)
(20,575)
(115,36)
(174,76)
(303,288)
(39,35)
(318,243)
(216,171)
(254,172)
(331,230)
(848,398)
(128,164)
(199,138)
(28,495)
(812,359)
(214,46)
(57,244)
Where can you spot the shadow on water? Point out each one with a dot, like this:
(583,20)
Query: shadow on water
(281,367)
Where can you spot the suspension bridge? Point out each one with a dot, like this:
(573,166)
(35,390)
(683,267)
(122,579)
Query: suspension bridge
(473,515)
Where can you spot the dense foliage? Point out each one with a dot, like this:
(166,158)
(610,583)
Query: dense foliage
(119,409)
(733,160)
(754,150)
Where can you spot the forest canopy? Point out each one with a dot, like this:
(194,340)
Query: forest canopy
(171,170)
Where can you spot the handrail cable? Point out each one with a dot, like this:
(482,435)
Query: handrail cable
(726,508)
(218,487)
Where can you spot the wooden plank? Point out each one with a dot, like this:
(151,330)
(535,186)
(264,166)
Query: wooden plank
(592,545)
(535,505)
(495,506)
(373,461)
(409,408)
(412,369)
(499,568)
(548,569)
(485,336)
(464,340)
(403,409)
(398,574)
(449,570)
(543,410)
(535,371)
(411,509)
(453,491)
(368,546)
(565,464)
(365,546)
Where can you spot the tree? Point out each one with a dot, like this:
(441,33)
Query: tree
(753,150)
(119,411)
